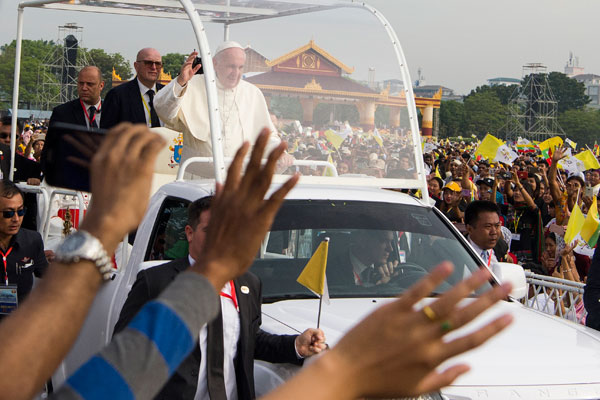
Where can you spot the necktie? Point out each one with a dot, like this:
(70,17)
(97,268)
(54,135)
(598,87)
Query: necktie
(214,359)
(485,255)
(368,276)
(154,121)
(92,112)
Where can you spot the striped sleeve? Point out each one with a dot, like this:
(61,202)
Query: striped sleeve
(140,359)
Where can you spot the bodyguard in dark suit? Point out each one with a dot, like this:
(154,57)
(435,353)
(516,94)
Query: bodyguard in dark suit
(252,343)
(86,109)
(134,101)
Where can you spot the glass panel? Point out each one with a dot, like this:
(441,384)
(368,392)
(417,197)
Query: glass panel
(168,240)
(412,240)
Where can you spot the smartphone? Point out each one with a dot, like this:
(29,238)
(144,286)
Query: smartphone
(589,191)
(523,175)
(507,175)
(197,61)
(59,170)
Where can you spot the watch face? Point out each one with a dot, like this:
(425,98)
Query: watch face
(72,243)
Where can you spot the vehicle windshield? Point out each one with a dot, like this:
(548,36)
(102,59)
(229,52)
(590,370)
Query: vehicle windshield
(362,235)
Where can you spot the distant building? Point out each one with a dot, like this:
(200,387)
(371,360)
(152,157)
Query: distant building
(395,85)
(255,62)
(503,81)
(572,68)
(592,87)
(431,90)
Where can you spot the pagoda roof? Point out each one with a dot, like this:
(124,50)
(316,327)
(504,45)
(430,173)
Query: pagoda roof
(319,82)
(319,50)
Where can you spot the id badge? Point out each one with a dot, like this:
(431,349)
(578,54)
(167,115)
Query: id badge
(402,256)
(8,299)
(516,236)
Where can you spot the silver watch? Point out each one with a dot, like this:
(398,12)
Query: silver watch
(83,246)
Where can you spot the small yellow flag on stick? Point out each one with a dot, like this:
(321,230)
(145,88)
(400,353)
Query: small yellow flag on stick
(313,275)
(575,224)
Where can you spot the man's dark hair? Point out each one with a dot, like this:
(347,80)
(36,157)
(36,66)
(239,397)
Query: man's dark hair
(196,208)
(9,189)
(7,120)
(477,207)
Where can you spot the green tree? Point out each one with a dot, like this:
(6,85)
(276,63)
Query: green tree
(341,112)
(286,107)
(452,118)
(382,116)
(106,62)
(503,93)
(33,54)
(172,63)
(569,93)
(581,126)
(483,113)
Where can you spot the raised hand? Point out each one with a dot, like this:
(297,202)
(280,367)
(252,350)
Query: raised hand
(187,72)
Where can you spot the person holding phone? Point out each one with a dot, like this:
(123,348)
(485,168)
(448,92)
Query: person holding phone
(183,105)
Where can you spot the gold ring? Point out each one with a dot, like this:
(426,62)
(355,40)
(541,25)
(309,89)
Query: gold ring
(446,326)
(429,313)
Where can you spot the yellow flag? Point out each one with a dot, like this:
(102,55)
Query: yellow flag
(335,139)
(328,171)
(551,143)
(379,140)
(591,224)
(313,275)
(437,172)
(575,224)
(488,147)
(588,159)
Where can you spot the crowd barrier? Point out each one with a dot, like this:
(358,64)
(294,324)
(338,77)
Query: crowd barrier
(555,296)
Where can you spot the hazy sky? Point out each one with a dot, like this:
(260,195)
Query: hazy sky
(456,43)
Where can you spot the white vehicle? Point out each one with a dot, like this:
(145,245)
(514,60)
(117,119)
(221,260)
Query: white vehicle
(537,357)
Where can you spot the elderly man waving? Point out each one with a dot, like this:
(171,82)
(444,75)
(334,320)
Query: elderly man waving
(183,105)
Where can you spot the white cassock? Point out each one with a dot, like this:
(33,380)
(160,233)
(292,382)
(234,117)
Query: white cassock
(244,114)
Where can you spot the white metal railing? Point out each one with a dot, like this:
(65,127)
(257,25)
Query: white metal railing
(45,198)
(209,161)
(555,296)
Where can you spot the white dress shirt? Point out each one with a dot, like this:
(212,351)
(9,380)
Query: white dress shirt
(231,334)
(143,90)
(480,251)
(97,114)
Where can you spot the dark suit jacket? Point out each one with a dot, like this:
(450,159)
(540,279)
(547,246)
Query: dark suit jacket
(124,103)
(70,112)
(253,342)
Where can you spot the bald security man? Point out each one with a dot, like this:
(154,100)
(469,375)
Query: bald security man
(86,109)
(134,101)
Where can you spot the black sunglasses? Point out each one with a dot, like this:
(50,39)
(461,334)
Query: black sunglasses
(149,63)
(11,213)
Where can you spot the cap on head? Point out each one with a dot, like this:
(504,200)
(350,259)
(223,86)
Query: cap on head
(230,44)
(455,187)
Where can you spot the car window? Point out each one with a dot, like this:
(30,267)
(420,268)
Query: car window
(168,240)
(361,234)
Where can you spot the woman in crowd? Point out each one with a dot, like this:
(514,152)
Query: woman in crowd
(525,222)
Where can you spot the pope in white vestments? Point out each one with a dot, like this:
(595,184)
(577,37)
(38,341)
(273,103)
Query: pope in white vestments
(182,105)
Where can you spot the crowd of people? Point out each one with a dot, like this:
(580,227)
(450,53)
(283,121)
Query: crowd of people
(516,211)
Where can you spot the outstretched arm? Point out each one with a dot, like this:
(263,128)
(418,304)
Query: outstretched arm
(397,340)
(44,327)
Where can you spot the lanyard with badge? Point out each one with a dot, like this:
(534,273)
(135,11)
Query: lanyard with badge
(147,107)
(517,236)
(88,115)
(8,293)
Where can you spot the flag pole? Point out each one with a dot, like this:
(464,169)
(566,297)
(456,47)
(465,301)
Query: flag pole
(320,306)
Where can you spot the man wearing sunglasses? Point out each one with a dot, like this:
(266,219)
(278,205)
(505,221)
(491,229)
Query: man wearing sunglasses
(22,250)
(134,101)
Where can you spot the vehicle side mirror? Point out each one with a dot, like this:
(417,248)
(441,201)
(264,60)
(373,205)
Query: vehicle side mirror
(513,273)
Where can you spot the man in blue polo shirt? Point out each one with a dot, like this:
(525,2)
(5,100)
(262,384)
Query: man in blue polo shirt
(22,250)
